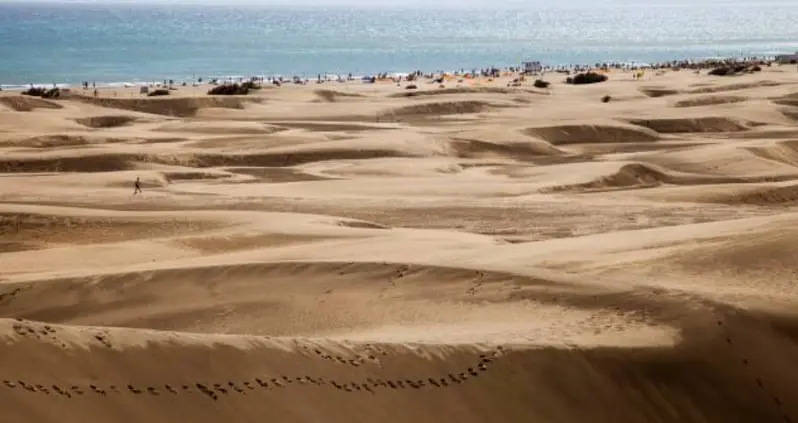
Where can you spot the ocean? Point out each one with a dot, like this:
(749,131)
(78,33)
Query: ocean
(70,43)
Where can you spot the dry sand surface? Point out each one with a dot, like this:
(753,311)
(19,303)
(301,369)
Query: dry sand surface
(355,253)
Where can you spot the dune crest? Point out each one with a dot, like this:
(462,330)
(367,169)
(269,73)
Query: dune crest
(692,125)
(27,104)
(588,134)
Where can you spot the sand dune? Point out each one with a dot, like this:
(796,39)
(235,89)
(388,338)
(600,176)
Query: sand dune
(111,121)
(60,140)
(587,134)
(735,87)
(219,128)
(181,106)
(366,253)
(332,96)
(687,125)
(709,101)
(638,175)
(27,104)
(791,113)
(460,90)
(656,92)
(436,109)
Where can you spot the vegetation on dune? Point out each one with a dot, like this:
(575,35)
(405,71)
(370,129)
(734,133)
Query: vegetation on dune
(158,93)
(43,92)
(234,89)
(735,70)
(586,78)
(539,83)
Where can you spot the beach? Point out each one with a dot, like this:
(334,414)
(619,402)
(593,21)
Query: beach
(471,250)
(132,41)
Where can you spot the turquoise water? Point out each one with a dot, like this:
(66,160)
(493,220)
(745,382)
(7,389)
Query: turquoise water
(44,44)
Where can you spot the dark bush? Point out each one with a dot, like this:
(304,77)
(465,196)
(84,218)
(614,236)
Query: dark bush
(157,93)
(52,93)
(42,92)
(249,85)
(229,89)
(720,71)
(734,70)
(586,78)
(35,92)
(411,87)
(539,83)
(606,99)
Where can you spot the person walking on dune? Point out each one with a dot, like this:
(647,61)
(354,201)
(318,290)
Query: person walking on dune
(137,187)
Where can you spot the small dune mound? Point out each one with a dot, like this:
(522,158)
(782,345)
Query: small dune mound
(709,101)
(460,90)
(219,128)
(12,247)
(749,254)
(276,174)
(109,121)
(228,243)
(331,96)
(589,134)
(763,196)
(330,126)
(268,159)
(733,87)
(655,92)
(438,109)
(790,100)
(478,149)
(688,125)
(634,175)
(171,177)
(644,175)
(61,140)
(93,163)
(791,114)
(167,106)
(86,230)
(27,104)
(785,152)
(360,224)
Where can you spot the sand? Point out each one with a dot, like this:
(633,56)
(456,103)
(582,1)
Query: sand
(352,252)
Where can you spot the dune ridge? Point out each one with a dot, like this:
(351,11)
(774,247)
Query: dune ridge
(180,107)
(709,101)
(586,134)
(692,125)
(27,104)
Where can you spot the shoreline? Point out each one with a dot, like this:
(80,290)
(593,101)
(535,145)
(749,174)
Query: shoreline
(333,77)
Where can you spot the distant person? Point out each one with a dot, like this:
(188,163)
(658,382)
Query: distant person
(137,187)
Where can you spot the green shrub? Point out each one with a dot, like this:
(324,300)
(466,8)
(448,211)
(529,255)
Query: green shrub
(539,83)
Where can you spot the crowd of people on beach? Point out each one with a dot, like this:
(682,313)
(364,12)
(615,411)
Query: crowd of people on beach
(490,72)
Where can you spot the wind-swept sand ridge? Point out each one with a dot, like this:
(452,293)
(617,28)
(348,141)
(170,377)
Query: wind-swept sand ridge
(361,252)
